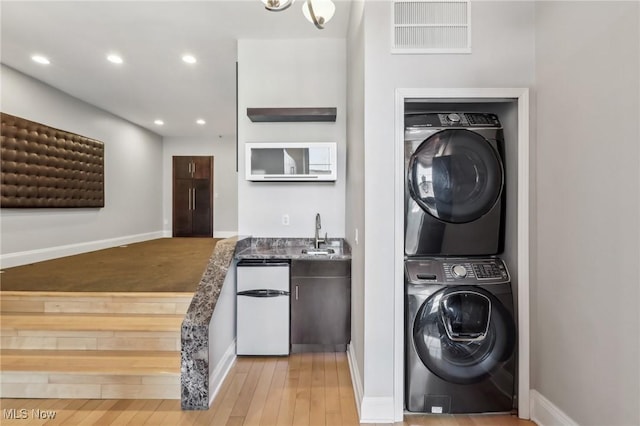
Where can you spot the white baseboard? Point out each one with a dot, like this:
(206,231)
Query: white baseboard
(32,256)
(216,234)
(377,409)
(221,371)
(355,377)
(545,413)
(370,409)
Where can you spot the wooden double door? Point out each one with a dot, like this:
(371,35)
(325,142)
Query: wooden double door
(192,196)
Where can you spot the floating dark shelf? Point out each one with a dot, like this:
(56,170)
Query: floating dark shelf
(260,115)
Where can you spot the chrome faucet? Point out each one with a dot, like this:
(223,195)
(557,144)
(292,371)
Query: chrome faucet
(319,240)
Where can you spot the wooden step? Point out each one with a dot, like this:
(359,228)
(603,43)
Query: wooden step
(90,331)
(91,345)
(90,374)
(90,322)
(89,302)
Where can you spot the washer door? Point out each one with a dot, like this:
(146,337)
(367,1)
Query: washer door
(462,334)
(455,176)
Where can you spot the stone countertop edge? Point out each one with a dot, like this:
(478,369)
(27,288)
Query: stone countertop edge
(289,248)
(206,295)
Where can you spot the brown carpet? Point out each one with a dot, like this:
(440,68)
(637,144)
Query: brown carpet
(162,265)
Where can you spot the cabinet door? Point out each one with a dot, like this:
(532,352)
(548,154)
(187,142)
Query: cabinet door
(320,311)
(202,209)
(201,167)
(182,167)
(182,207)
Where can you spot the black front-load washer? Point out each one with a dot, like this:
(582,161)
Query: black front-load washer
(454,184)
(460,336)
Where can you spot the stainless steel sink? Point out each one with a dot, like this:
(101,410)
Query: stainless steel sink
(318,251)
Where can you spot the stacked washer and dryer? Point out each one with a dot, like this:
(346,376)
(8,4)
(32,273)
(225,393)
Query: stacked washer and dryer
(460,329)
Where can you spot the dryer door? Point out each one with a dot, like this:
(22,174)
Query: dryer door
(455,176)
(463,333)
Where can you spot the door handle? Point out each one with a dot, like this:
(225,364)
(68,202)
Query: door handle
(194,198)
(189,198)
(194,168)
(296,292)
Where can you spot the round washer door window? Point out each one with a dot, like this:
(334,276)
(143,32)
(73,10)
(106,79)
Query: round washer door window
(462,334)
(455,176)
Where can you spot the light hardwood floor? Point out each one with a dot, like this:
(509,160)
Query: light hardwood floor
(303,389)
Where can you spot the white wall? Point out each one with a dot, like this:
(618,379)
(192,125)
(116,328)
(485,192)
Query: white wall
(586,328)
(291,73)
(355,179)
(225,180)
(503,56)
(133,196)
(222,333)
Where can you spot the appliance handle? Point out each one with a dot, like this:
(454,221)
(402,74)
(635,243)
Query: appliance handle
(263,293)
(264,263)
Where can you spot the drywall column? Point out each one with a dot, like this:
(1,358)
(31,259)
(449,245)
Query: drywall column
(586,334)
(291,73)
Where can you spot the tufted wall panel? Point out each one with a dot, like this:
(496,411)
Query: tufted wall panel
(47,167)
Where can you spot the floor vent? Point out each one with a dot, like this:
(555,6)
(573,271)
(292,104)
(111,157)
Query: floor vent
(431,26)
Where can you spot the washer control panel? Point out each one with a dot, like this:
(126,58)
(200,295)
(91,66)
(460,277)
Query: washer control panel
(466,271)
(451,119)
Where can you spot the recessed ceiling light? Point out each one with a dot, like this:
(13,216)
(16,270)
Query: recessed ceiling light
(159,122)
(116,59)
(40,59)
(190,59)
(201,122)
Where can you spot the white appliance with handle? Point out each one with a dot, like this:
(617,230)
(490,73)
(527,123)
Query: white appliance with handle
(263,307)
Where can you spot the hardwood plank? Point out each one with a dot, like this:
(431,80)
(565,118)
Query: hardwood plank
(274,396)
(125,416)
(20,410)
(111,362)
(317,409)
(288,399)
(65,408)
(347,398)
(256,407)
(223,412)
(167,413)
(332,391)
(103,407)
(235,421)
(243,401)
(144,412)
(46,406)
(110,416)
(82,412)
(303,394)
(93,322)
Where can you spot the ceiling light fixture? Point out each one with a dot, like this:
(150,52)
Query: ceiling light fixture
(40,59)
(277,5)
(113,58)
(190,59)
(201,122)
(158,122)
(318,12)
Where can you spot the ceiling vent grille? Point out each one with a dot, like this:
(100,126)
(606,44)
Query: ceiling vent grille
(431,26)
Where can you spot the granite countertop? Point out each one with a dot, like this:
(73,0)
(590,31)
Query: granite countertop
(208,290)
(194,358)
(291,248)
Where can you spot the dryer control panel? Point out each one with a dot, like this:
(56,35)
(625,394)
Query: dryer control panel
(467,271)
(452,119)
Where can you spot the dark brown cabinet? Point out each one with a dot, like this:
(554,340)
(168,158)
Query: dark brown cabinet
(192,196)
(320,305)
